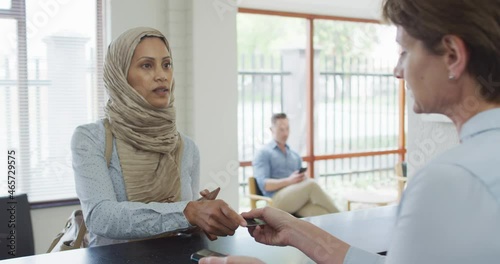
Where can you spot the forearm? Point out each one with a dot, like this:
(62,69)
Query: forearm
(275,184)
(317,244)
(133,220)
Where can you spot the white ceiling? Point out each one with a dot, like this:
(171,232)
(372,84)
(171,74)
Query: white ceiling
(370,9)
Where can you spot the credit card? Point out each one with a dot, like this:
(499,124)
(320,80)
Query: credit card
(254,221)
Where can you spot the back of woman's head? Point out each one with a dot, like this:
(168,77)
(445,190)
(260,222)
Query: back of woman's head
(476,22)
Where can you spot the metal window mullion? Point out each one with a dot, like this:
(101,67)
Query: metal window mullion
(253,105)
(325,163)
(100,48)
(262,94)
(281,83)
(373,115)
(243,137)
(19,9)
(272,85)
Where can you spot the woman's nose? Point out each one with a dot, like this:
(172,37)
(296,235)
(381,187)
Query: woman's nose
(398,72)
(161,75)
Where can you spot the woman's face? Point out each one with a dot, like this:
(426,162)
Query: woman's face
(425,74)
(150,72)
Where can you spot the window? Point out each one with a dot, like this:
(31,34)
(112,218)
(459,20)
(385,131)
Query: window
(48,86)
(352,126)
(271,79)
(356,100)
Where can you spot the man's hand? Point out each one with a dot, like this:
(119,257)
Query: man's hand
(296,177)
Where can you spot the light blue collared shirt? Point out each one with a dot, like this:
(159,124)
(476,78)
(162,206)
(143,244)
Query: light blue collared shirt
(271,163)
(450,211)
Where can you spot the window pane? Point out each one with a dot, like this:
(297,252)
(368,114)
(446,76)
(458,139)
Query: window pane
(9,108)
(272,79)
(61,93)
(5,4)
(61,65)
(356,95)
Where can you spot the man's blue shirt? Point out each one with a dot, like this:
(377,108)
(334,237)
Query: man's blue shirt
(271,163)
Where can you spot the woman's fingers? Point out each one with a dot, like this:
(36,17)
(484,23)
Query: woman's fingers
(204,192)
(216,217)
(233,215)
(210,236)
(255,213)
(207,195)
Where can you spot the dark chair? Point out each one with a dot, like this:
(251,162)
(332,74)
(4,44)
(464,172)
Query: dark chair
(16,231)
(255,193)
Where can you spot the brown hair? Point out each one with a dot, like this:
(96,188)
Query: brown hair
(476,22)
(277,116)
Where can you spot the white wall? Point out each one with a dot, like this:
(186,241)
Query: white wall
(125,14)
(215,97)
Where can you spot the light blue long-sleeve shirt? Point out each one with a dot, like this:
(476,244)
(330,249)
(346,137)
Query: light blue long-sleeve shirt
(271,163)
(109,216)
(450,211)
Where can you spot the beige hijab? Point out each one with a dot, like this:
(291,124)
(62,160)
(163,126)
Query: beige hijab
(147,140)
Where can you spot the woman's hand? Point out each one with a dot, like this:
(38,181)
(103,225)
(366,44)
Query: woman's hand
(209,195)
(214,217)
(230,260)
(282,229)
(276,231)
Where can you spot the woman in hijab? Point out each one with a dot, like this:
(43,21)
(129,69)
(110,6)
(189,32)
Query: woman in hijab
(149,186)
(450,211)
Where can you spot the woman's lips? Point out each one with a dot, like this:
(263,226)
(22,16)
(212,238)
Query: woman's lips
(161,91)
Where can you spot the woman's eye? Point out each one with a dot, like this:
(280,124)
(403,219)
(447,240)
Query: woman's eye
(146,66)
(167,65)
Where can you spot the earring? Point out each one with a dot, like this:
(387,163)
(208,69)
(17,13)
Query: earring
(451,77)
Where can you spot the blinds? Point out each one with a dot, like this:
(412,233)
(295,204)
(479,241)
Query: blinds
(51,54)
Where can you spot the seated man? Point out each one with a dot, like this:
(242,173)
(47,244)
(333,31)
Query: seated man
(276,169)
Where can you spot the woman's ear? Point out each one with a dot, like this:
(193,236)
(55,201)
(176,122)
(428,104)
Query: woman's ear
(456,55)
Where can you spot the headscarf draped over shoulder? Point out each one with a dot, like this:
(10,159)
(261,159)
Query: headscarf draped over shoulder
(147,140)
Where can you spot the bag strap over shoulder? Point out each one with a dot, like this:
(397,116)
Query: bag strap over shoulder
(109,142)
(56,240)
(81,234)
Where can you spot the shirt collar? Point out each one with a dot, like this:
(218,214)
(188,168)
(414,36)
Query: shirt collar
(482,122)
(274,145)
